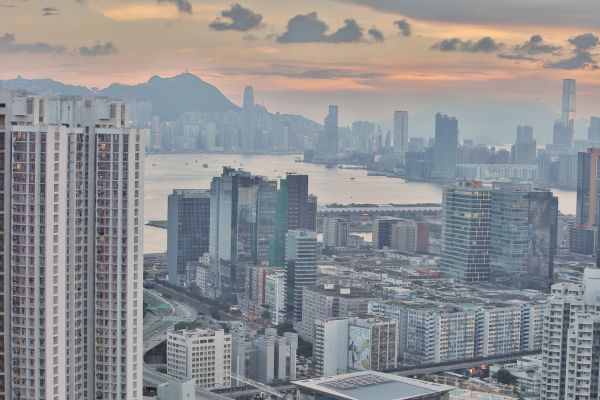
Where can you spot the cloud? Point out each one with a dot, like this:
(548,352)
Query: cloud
(376,34)
(237,18)
(289,71)
(99,49)
(483,45)
(184,6)
(535,45)
(516,57)
(404,26)
(582,57)
(549,13)
(309,28)
(584,42)
(49,11)
(9,46)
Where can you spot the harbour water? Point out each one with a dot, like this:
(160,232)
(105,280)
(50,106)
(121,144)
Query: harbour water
(165,172)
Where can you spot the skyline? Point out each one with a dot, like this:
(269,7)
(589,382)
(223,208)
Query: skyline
(302,56)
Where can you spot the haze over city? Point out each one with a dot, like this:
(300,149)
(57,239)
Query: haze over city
(299,200)
(368,56)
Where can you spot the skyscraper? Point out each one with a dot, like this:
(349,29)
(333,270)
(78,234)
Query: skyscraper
(400,131)
(524,151)
(445,149)
(293,211)
(242,208)
(188,230)
(571,341)
(564,128)
(523,230)
(594,131)
(75,262)
(466,228)
(331,133)
(301,268)
(568,104)
(584,234)
(248,131)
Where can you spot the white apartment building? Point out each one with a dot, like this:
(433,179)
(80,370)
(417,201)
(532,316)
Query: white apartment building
(571,341)
(336,232)
(201,355)
(72,235)
(435,332)
(355,344)
(275,294)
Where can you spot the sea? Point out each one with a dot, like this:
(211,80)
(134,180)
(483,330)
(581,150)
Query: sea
(165,172)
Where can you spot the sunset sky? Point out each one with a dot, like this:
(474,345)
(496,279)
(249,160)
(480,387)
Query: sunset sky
(369,56)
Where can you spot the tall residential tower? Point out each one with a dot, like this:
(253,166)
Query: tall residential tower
(73,270)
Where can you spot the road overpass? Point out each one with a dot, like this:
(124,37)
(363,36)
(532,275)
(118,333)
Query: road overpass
(459,364)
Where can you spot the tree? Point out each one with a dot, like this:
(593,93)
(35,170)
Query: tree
(266,315)
(505,377)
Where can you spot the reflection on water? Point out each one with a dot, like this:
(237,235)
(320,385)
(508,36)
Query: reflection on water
(165,172)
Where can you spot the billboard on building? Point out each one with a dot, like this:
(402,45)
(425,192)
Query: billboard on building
(359,348)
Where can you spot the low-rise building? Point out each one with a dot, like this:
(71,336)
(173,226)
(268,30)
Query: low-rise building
(355,344)
(329,302)
(368,385)
(265,358)
(202,355)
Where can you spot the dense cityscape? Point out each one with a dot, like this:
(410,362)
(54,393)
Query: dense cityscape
(262,290)
(383,236)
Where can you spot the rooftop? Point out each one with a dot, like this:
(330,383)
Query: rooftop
(370,385)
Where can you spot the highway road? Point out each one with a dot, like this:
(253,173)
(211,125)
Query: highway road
(156,330)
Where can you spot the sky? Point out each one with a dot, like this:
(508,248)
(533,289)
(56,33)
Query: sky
(369,56)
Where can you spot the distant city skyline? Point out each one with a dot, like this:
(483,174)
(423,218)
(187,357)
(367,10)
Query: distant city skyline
(370,57)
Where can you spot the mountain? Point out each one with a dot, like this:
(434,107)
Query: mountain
(170,97)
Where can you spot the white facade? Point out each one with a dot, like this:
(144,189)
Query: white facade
(275,296)
(571,343)
(201,355)
(431,332)
(76,256)
(336,232)
(355,343)
(301,267)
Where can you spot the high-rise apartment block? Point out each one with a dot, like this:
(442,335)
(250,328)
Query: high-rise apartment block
(571,341)
(466,231)
(71,243)
(301,268)
(275,296)
(188,230)
(336,232)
